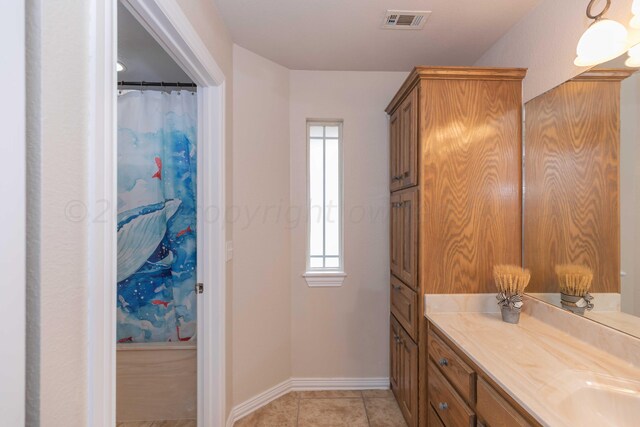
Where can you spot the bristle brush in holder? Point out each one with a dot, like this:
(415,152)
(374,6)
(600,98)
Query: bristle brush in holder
(511,280)
(575,282)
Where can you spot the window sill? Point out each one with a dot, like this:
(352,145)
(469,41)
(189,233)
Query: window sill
(319,279)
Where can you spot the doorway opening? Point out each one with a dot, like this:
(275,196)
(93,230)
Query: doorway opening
(161,178)
(156,321)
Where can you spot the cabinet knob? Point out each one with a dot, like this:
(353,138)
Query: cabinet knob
(396,287)
(443,362)
(443,406)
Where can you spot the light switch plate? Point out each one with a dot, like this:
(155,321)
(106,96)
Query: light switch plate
(229,250)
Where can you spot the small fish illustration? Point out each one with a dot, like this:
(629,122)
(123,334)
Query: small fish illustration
(127,339)
(181,339)
(183,232)
(159,164)
(160,302)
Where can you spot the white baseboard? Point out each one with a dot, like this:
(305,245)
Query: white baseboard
(304,384)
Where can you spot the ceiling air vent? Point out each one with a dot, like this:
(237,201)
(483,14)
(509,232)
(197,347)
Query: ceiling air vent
(405,19)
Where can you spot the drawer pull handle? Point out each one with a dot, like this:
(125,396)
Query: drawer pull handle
(443,362)
(443,406)
(396,287)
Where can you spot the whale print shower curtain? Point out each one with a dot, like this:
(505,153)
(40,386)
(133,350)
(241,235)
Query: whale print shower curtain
(156,216)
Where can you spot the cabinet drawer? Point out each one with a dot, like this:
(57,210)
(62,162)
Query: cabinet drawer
(404,306)
(459,374)
(449,406)
(434,421)
(495,410)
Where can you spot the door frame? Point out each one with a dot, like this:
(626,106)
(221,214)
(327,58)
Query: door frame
(13,188)
(169,26)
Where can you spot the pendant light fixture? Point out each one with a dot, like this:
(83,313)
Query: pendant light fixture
(634,57)
(603,41)
(635,9)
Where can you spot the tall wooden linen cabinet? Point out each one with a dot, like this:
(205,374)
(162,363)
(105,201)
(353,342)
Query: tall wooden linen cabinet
(456,202)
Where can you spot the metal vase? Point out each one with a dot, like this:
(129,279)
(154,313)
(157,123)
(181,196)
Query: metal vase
(568,302)
(510,315)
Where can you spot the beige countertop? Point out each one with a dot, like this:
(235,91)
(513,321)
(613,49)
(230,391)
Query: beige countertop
(559,379)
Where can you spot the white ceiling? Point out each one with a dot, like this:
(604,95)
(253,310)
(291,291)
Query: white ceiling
(143,57)
(346,34)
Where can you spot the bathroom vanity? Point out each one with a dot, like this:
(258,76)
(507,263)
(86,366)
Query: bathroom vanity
(486,372)
(460,392)
(459,170)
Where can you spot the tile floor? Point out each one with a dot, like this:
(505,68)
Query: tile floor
(166,423)
(367,408)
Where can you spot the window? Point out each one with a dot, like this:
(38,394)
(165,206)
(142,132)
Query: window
(324,249)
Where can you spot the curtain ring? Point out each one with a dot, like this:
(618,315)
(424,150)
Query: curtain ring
(599,15)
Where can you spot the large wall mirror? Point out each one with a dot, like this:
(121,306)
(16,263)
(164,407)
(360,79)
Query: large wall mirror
(582,195)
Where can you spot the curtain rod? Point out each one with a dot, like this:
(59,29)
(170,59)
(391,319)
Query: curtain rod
(160,84)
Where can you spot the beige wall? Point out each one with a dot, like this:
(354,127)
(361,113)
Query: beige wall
(630,192)
(343,332)
(545,41)
(262,253)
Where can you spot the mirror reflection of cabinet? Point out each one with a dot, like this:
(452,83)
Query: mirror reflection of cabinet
(571,167)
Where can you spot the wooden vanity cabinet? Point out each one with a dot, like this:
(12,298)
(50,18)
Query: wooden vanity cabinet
(404,307)
(404,372)
(404,236)
(461,394)
(455,177)
(404,144)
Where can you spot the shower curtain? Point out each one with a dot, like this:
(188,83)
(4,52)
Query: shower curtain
(156,216)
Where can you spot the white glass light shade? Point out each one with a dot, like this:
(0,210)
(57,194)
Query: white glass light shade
(634,57)
(120,66)
(603,41)
(635,9)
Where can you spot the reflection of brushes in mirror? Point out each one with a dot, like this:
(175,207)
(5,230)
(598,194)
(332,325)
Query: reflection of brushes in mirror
(574,279)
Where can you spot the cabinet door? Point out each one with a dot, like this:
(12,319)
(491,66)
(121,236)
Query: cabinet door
(394,368)
(395,240)
(407,174)
(395,154)
(409,378)
(408,232)
(495,410)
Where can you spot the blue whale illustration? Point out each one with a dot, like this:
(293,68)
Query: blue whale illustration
(140,231)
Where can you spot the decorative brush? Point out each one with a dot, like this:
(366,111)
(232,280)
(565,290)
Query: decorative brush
(574,279)
(511,279)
